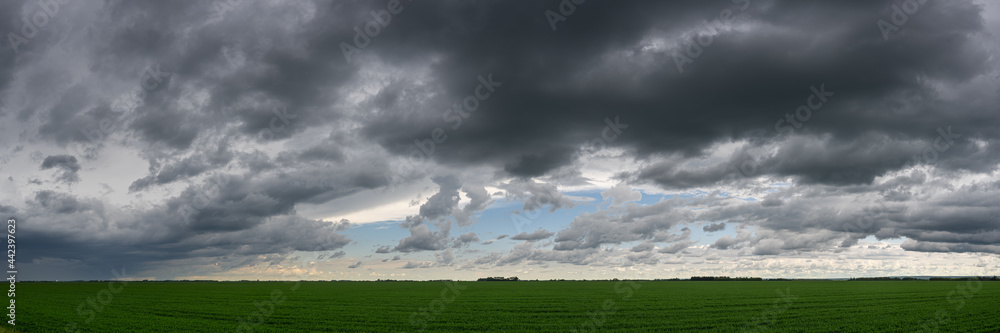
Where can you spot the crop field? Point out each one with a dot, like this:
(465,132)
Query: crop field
(524,306)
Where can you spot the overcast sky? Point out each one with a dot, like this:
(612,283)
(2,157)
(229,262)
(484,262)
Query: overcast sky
(245,139)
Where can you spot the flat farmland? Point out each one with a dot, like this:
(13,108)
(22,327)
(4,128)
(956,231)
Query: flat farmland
(522,306)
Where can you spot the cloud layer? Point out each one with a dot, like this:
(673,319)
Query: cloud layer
(626,134)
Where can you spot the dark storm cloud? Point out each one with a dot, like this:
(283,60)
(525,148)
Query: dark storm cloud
(240,216)
(59,203)
(88,231)
(806,90)
(736,89)
(948,247)
(277,86)
(237,202)
(609,60)
(8,209)
(66,116)
(10,16)
(327,151)
(67,164)
(185,168)
(962,218)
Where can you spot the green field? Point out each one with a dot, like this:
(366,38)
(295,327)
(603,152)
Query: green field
(525,306)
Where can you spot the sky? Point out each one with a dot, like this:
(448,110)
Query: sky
(398,139)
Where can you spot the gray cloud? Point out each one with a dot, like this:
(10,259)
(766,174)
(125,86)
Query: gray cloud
(537,195)
(184,168)
(465,239)
(67,164)
(534,236)
(442,203)
(714,227)
(621,194)
(479,199)
(445,257)
(419,264)
(77,231)
(615,226)
(423,239)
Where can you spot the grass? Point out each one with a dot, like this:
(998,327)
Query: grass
(525,306)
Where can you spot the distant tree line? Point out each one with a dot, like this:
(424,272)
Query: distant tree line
(498,278)
(724,278)
(980,278)
(884,278)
